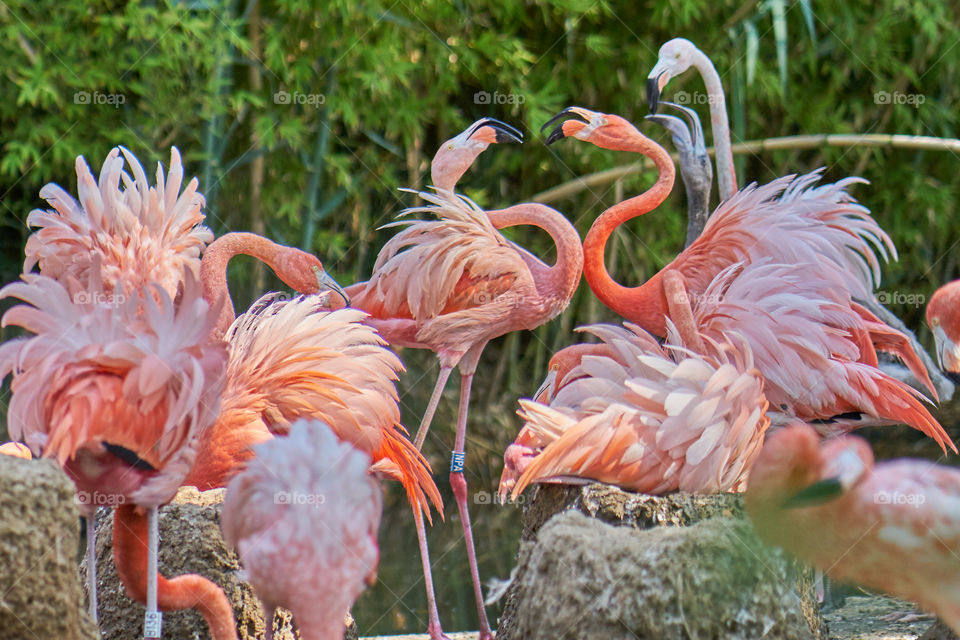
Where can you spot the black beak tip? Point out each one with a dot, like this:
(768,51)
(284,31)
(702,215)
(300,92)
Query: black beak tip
(556,134)
(503,132)
(653,94)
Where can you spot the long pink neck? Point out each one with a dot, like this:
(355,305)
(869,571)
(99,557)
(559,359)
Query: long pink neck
(645,304)
(726,173)
(213,270)
(561,279)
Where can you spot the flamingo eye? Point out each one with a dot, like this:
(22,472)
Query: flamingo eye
(935,322)
(450,147)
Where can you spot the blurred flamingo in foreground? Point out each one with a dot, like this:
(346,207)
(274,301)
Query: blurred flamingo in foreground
(893,526)
(647,419)
(304,516)
(453,284)
(817,233)
(117,392)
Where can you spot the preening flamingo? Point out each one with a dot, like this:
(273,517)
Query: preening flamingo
(944,323)
(648,419)
(304,517)
(816,229)
(117,390)
(299,270)
(892,526)
(288,359)
(125,234)
(453,284)
(675,57)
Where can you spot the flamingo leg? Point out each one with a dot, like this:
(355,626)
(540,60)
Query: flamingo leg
(92,564)
(153,619)
(433,627)
(459,484)
(432,405)
(268,621)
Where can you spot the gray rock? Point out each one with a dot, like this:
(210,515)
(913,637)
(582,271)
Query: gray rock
(40,590)
(620,574)
(190,542)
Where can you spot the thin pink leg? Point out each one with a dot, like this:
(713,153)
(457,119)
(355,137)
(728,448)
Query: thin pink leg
(433,627)
(459,484)
(92,563)
(268,619)
(432,406)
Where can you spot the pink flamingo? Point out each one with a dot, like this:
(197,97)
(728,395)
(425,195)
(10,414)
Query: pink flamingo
(453,284)
(891,527)
(16,450)
(304,517)
(117,394)
(126,236)
(816,230)
(943,322)
(132,237)
(675,57)
(667,420)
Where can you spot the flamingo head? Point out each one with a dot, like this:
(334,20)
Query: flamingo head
(787,463)
(457,154)
(944,322)
(691,145)
(304,273)
(602,129)
(674,58)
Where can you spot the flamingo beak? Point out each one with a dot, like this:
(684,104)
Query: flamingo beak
(815,494)
(689,134)
(545,393)
(326,282)
(575,116)
(491,131)
(656,81)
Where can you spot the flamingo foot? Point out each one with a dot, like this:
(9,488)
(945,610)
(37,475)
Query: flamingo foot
(907,617)
(436,633)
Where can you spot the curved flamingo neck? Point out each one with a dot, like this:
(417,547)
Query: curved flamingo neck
(213,270)
(645,304)
(561,279)
(726,173)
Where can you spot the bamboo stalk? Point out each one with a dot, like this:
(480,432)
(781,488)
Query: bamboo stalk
(815,141)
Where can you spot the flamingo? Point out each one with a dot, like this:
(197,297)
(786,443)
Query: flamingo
(132,237)
(890,526)
(648,419)
(675,57)
(117,394)
(16,450)
(942,320)
(453,284)
(125,234)
(819,231)
(304,517)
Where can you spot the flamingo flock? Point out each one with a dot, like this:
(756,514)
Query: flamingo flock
(743,365)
